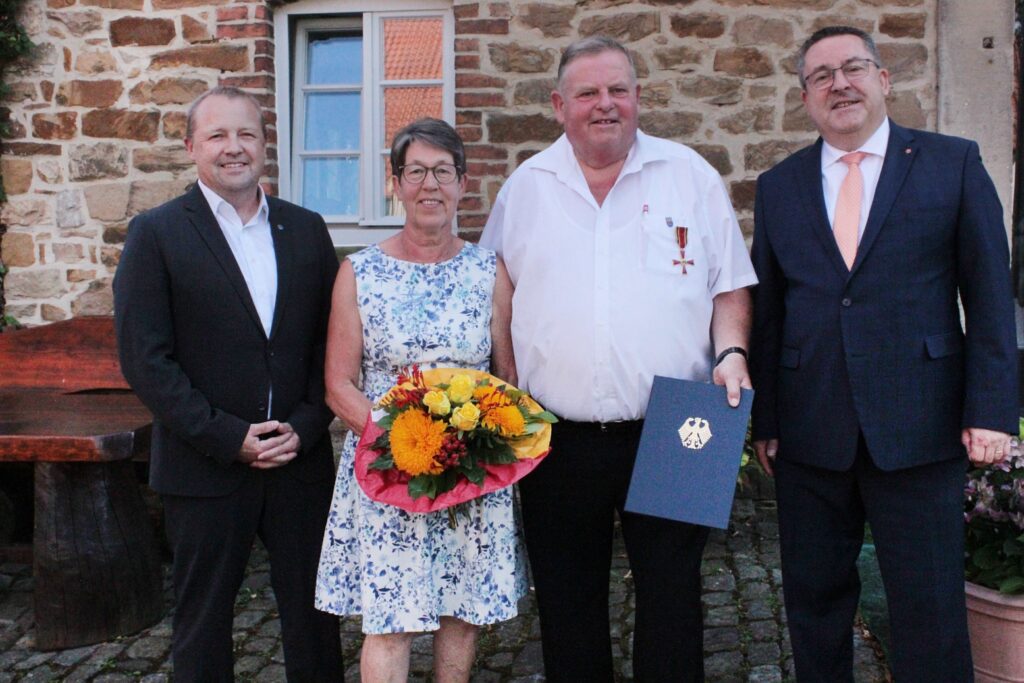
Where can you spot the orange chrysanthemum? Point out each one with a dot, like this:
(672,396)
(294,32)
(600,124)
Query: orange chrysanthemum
(506,420)
(489,397)
(415,441)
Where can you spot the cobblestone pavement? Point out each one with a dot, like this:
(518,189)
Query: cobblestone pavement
(745,637)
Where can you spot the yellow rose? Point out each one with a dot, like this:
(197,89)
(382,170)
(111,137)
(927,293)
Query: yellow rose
(465,417)
(460,389)
(437,402)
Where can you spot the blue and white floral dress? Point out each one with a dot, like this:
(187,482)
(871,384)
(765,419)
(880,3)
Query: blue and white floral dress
(402,571)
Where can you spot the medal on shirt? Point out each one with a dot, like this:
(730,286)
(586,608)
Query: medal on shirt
(681,238)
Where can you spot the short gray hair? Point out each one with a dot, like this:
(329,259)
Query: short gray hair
(433,132)
(592,46)
(229,92)
(829,32)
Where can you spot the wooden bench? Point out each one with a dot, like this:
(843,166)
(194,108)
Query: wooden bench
(65,407)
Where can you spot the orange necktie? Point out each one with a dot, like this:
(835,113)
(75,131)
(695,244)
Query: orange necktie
(847,220)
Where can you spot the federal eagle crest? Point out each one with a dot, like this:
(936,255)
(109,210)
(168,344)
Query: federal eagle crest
(694,433)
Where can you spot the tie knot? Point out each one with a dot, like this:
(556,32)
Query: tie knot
(853,158)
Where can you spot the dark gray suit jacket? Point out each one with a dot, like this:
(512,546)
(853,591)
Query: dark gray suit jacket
(194,350)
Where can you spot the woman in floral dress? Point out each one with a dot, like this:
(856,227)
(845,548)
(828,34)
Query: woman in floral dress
(427,297)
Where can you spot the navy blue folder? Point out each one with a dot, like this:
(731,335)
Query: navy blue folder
(689,454)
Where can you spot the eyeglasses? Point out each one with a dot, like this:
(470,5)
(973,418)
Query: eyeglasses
(854,70)
(444,174)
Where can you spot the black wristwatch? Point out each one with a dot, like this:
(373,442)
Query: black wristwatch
(732,349)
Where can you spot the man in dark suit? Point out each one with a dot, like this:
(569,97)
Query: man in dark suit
(221,300)
(868,390)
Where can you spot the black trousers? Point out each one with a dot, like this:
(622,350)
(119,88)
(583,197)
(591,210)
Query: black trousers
(916,519)
(569,503)
(212,539)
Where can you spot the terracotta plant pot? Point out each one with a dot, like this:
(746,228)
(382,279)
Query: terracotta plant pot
(996,623)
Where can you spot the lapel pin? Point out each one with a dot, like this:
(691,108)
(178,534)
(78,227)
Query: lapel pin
(906,151)
(281,227)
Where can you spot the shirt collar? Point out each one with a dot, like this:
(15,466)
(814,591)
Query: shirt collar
(218,203)
(876,145)
(560,158)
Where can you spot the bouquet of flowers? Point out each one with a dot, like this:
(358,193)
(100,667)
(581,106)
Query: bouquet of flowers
(994,516)
(445,436)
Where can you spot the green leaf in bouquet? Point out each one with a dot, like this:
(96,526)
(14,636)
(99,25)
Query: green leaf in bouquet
(543,416)
(423,485)
(532,428)
(472,470)
(386,421)
(383,462)
(1012,548)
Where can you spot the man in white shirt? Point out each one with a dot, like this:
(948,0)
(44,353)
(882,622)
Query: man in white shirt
(628,263)
(869,393)
(221,301)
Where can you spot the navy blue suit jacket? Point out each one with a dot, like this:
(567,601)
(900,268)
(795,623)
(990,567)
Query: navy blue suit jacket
(879,349)
(194,350)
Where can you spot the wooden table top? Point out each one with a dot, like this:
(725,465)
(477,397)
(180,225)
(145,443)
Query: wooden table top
(48,426)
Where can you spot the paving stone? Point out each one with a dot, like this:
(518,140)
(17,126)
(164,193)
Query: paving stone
(720,664)
(530,659)
(768,673)
(262,646)
(758,609)
(33,661)
(42,673)
(716,599)
(270,674)
(155,678)
(151,647)
(722,616)
(759,654)
(500,660)
(247,665)
(720,581)
(763,630)
(718,639)
(71,657)
(754,589)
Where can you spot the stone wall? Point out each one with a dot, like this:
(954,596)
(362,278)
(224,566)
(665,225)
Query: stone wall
(717,75)
(96,117)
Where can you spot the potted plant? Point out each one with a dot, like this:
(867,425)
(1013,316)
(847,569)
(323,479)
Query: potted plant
(994,559)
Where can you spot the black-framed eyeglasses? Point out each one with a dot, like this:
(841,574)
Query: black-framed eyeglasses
(415,174)
(854,70)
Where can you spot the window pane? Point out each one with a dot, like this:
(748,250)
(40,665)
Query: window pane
(331,186)
(332,121)
(392,206)
(335,59)
(412,48)
(405,105)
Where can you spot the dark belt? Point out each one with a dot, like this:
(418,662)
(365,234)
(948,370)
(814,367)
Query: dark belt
(611,427)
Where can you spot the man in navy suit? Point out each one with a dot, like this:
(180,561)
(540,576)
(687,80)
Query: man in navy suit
(221,300)
(869,392)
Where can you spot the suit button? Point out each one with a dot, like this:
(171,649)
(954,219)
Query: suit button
(261,407)
(847,302)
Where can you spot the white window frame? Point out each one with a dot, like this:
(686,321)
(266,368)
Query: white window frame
(371,226)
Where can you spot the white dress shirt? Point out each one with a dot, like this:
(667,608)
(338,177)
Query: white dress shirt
(601,301)
(833,172)
(253,248)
